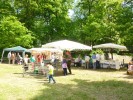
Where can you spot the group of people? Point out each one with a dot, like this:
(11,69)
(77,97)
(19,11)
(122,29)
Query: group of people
(91,61)
(49,70)
(78,61)
(38,59)
(66,63)
(14,58)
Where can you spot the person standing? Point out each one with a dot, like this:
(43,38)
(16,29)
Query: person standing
(98,58)
(39,59)
(18,58)
(26,60)
(32,60)
(21,60)
(87,58)
(79,61)
(69,57)
(53,59)
(50,72)
(94,60)
(90,62)
(13,58)
(64,66)
(9,57)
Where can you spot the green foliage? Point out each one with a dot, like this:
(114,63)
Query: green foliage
(47,19)
(93,22)
(99,51)
(6,8)
(13,33)
(125,23)
(102,21)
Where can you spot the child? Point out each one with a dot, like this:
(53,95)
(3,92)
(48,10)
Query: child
(64,66)
(51,72)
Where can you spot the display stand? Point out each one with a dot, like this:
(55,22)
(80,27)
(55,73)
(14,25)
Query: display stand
(110,64)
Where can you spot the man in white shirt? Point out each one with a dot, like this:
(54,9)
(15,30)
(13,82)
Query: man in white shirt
(94,60)
(98,58)
(52,57)
(87,58)
(9,57)
(54,60)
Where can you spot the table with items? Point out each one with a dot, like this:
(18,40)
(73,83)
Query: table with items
(110,64)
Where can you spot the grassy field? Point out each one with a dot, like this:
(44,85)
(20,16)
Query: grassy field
(102,84)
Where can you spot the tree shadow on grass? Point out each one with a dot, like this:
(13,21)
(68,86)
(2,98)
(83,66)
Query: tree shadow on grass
(29,74)
(86,90)
(128,76)
(39,75)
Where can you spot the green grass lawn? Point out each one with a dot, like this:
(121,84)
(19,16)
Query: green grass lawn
(102,84)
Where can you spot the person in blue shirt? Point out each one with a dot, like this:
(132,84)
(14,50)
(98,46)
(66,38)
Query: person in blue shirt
(94,60)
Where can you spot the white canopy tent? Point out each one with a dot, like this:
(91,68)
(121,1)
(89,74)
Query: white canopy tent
(67,45)
(111,46)
(47,51)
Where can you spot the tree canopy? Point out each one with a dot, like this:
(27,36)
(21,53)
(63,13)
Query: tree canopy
(35,22)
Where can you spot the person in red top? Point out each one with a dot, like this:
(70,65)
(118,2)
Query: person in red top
(39,58)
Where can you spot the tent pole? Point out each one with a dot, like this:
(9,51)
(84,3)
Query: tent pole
(2,56)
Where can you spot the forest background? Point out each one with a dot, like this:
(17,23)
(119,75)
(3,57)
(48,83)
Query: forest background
(31,23)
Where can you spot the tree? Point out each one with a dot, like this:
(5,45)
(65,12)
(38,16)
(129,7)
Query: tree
(125,22)
(6,8)
(45,18)
(88,19)
(97,20)
(13,33)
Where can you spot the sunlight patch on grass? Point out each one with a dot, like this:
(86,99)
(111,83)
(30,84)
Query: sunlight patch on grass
(103,84)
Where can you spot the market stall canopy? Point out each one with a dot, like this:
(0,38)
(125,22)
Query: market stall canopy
(17,48)
(67,45)
(45,49)
(111,46)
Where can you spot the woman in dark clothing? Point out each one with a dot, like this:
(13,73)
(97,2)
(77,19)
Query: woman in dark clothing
(69,65)
(68,58)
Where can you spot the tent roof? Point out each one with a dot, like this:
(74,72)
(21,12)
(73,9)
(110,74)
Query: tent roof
(67,45)
(17,48)
(45,49)
(111,45)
